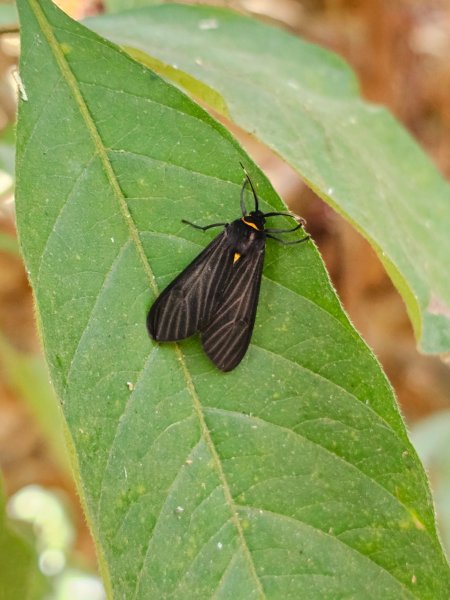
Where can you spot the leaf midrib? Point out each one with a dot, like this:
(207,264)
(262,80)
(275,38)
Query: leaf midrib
(100,148)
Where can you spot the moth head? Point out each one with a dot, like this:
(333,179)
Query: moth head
(255,219)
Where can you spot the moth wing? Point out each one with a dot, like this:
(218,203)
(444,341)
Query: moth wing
(189,300)
(226,336)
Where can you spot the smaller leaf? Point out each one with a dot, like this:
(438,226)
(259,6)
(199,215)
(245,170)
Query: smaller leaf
(28,375)
(9,244)
(120,5)
(303,103)
(19,575)
(8,16)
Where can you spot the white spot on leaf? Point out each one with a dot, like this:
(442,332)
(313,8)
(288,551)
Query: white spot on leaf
(206,24)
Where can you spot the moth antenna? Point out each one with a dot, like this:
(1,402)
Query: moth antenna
(251,185)
(243,207)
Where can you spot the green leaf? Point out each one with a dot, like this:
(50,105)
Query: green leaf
(431,438)
(291,476)
(7,151)
(19,575)
(8,16)
(303,103)
(28,375)
(120,5)
(9,244)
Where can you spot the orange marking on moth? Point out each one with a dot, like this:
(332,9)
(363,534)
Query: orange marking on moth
(251,225)
(236,257)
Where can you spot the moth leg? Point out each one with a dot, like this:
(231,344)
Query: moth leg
(203,227)
(284,230)
(305,239)
(283,214)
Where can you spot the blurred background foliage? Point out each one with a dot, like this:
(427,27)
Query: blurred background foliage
(400,50)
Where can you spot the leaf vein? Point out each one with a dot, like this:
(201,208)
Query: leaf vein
(104,285)
(58,217)
(314,443)
(259,511)
(197,554)
(120,424)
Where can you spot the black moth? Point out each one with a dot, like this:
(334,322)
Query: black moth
(217,294)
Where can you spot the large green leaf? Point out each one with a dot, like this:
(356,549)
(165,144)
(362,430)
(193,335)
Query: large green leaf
(291,476)
(303,103)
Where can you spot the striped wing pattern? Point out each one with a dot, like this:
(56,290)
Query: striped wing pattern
(189,301)
(226,335)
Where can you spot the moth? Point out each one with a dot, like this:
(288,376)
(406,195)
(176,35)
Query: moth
(217,293)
